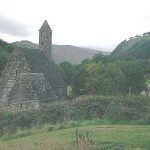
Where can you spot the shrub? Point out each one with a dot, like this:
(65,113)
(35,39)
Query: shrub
(110,108)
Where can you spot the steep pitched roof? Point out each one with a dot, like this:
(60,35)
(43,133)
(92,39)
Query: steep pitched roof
(45,26)
(39,63)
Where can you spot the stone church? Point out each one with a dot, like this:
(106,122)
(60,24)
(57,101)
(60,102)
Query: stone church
(31,77)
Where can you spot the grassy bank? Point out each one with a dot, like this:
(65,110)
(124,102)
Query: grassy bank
(112,121)
(104,137)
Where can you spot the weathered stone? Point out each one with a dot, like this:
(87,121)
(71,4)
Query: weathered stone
(31,77)
(45,39)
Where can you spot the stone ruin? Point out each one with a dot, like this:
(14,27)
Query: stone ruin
(31,77)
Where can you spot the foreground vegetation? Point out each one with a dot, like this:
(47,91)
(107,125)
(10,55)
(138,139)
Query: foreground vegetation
(110,109)
(126,137)
(111,89)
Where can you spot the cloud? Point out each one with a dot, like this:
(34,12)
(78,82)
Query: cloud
(12,27)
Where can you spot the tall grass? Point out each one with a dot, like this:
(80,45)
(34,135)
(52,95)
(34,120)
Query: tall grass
(66,125)
(84,141)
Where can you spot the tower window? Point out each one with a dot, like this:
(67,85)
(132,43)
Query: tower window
(16,72)
(41,34)
(21,105)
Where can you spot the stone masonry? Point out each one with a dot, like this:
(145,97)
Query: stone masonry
(31,77)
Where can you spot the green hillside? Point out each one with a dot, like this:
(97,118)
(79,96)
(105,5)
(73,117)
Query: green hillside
(104,137)
(135,47)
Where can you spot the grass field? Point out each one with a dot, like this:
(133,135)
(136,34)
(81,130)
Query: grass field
(104,136)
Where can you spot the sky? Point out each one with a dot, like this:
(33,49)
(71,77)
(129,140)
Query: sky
(99,24)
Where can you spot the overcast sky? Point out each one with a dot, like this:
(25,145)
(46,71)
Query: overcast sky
(100,24)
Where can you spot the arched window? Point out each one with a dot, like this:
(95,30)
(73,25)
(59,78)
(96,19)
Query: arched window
(21,105)
(16,72)
(41,34)
(42,43)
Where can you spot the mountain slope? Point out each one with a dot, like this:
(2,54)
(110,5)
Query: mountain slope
(63,53)
(71,54)
(137,47)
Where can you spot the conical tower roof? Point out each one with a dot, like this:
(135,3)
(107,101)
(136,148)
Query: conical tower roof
(45,26)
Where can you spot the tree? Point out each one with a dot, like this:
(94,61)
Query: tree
(104,79)
(68,71)
(78,80)
(134,73)
(99,78)
(99,57)
(78,84)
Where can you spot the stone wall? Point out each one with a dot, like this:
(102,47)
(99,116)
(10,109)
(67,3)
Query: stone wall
(22,106)
(32,86)
(15,66)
